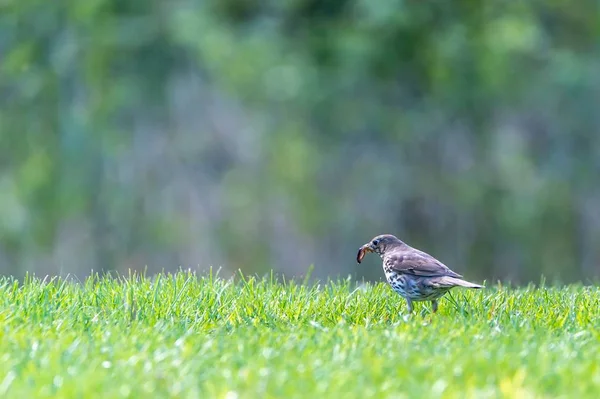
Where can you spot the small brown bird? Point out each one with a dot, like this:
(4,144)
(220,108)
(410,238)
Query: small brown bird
(414,274)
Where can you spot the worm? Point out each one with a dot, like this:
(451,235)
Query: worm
(360,255)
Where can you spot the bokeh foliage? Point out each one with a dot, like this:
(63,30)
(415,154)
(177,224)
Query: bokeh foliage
(278,134)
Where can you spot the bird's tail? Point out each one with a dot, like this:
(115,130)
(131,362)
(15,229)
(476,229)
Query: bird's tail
(453,282)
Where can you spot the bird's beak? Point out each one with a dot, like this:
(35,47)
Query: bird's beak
(362,251)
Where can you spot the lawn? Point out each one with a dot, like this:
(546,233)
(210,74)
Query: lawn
(192,336)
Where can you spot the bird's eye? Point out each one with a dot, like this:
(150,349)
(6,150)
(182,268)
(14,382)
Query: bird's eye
(375,242)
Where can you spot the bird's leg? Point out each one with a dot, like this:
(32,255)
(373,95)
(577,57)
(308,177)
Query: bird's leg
(409,305)
(434,305)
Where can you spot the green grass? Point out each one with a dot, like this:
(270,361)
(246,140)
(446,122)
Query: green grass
(190,336)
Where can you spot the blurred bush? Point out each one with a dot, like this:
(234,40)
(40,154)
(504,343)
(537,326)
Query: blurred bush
(278,134)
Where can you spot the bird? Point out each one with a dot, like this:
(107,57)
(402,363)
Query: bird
(412,273)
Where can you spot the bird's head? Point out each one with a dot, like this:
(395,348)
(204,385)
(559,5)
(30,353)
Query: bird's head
(379,245)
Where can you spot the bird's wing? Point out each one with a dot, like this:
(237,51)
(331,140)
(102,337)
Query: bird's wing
(418,263)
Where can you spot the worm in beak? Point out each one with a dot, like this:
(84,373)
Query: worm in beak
(362,251)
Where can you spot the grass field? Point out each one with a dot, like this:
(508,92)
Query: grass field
(190,336)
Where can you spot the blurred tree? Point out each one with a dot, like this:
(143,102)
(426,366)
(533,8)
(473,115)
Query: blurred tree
(274,134)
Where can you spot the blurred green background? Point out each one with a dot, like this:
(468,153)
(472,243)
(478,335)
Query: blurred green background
(277,134)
